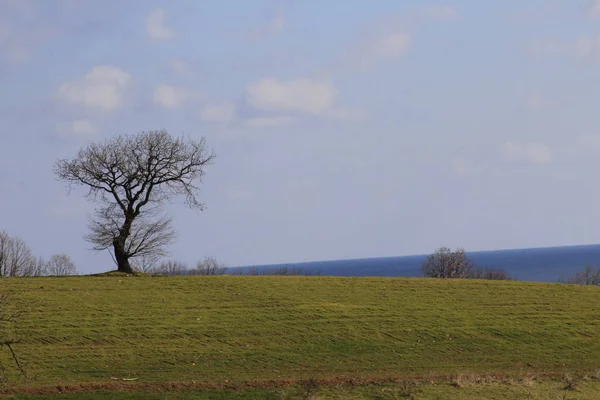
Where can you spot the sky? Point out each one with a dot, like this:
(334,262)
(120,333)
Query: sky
(342,128)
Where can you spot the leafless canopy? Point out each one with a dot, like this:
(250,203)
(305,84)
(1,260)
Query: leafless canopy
(131,176)
(60,265)
(445,263)
(209,266)
(150,232)
(589,276)
(17,259)
(172,268)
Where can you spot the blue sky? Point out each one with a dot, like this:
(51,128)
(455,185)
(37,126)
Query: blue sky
(343,129)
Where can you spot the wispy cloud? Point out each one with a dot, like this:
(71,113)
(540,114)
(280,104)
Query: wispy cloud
(301,95)
(218,113)
(103,87)
(156,28)
(169,96)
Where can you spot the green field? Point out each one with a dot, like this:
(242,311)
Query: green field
(263,336)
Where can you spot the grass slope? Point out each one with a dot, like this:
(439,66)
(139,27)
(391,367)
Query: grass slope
(236,332)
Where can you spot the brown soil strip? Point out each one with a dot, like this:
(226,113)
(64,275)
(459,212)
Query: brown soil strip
(159,387)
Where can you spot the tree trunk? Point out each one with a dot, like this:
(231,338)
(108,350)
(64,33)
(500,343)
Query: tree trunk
(121,256)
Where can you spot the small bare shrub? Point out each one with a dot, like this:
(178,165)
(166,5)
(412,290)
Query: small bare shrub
(209,266)
(60,265)
(589,276)
(458,381)
(172,268)
(571,383)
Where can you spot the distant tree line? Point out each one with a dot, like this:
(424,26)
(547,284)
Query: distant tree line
(210,266)
(17,259)
(282,270)
(205,267)
(589,276)
(448,264)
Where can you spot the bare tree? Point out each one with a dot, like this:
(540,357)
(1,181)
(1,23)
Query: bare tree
(16,257)
(60,264)
(445,263)
(131,176)
(589,276)
(172,268)
(150,233)
(209,266)
(37,267)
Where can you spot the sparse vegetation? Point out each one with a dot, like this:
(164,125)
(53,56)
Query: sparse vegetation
(589,276)
(60,264)
(448,264)
(445,263)
(171,268)
(17,259)
(209,266)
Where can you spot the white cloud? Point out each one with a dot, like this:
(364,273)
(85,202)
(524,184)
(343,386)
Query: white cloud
(594,9)
(169,97)
(218,113)
(300,95)
(155,26)
(267,122)
(536,153)
(441,12)
(103,87)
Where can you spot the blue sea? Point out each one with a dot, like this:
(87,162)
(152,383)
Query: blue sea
(550,264)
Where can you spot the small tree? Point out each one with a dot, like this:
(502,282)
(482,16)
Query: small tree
(589,276)
(16,258)
(445,263)
(209,266)
(60,265)
(172,268)
(130,177)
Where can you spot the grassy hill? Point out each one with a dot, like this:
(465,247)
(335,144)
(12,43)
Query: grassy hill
(90,333)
